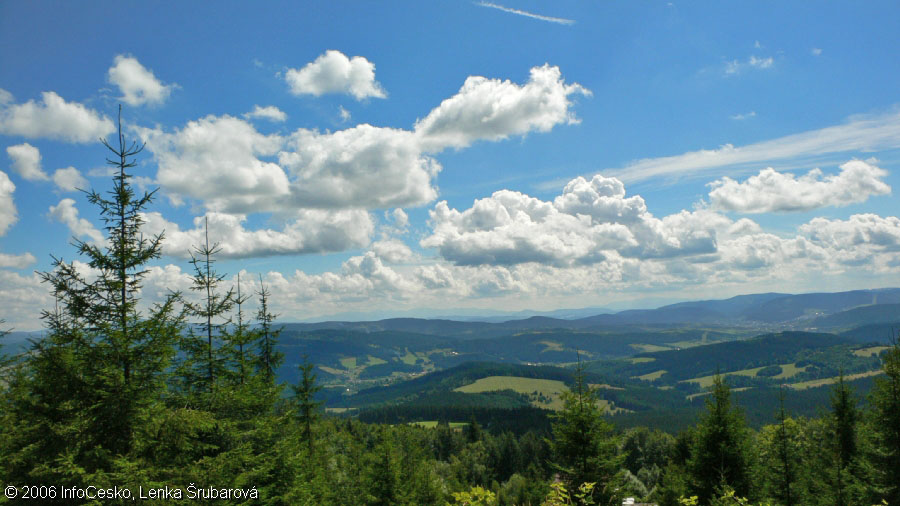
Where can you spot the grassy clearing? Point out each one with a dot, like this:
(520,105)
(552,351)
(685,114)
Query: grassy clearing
(542,392)
(649,348)
(653,376)
(604,386)
(803,385)
(430,424)
(790,370)
(331,370)
(375,361)
(701,394)
(348,362)
(787,371)
(872,350)
(641,360)
(551,346)
(409,358)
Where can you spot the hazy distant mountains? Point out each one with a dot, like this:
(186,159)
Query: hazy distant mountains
(820,310)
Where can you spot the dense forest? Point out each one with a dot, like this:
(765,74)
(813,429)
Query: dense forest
(181,400)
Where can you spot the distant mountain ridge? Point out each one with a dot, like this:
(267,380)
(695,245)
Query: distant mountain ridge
(753,309)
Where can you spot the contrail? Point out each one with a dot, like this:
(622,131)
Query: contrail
(561,21)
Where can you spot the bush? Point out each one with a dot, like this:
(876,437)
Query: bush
(768,372)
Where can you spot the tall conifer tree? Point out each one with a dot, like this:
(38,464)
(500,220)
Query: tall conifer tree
(101,367)
(720,455)
(885,425)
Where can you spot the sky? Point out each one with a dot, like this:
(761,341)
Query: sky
(370,159)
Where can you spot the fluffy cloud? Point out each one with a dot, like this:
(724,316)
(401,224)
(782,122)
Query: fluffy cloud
(311,231)
(216,159)
(231,167)
(860,230)
(772,191)
(16,261)
(583,225)
(66,213)
(363,166)
(392,251)
(26,161)
(22,298)
(491,109)
(333,72)
(138,85)
(54,118)
(269,112)
(8,213)
(69,179)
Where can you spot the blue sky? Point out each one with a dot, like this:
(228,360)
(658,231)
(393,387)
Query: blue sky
(394,157)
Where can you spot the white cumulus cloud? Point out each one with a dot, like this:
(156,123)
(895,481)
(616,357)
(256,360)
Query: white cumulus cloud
(217,159)
(586,224)
(8,213)
(69,179)
(54,118)
(138,84)
(363,166)
(26,161)
(66,213)
(269,112)
(231,167)
(311,231)
(491,109)
(334,72)
(773,191)
(16,261)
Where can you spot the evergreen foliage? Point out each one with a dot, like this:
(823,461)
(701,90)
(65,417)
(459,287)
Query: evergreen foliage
(885,428)
(720,454)
(584,447)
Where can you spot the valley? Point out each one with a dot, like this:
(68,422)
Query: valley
(655,365)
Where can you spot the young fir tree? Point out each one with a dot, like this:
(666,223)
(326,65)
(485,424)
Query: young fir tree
(269,358)
(98,375)
(785,454)
(307,406)
(583,445)
(720,456)
(885,426)
(240,338)
(842,445)
(204,355)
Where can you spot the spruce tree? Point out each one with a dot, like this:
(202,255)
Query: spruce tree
(203,352)
(240,338)
(99,373)
(720,455)
(269,358)
(885,426)
(307,406)
(842,444)
(583,445)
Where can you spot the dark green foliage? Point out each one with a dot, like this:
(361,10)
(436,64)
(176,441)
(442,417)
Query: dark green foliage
(584,447)
(769,371)
(307,406)
(720,455)
(885,428)
(95,382)
(269,357)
